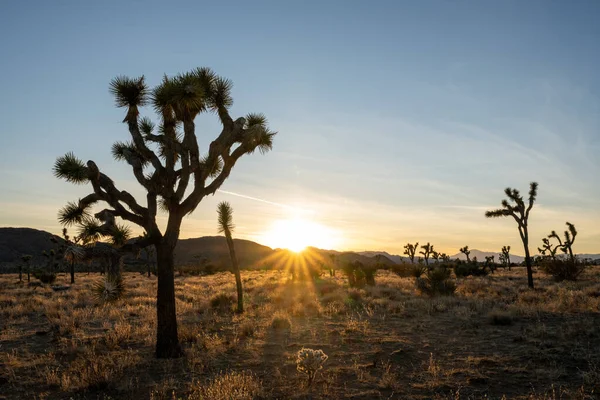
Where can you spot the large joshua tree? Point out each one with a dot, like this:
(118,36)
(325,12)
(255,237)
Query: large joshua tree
(520,212)
(226,226)
(167,162)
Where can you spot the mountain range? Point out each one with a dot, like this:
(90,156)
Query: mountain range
(212,251)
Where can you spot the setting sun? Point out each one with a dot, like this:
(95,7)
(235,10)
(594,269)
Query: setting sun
(296,234)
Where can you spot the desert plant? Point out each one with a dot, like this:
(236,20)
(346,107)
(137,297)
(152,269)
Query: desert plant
(490,264)
(222,301)
(566,246)
(463,269)
(548,249)
(417,270)
(437,281)
(108,289)
(26,260)
(465,250)
(44,275)
(228,386)
(520,212)
(359,274)
(505,256)
(225,213)
(165,174)
(309,362)
(563,270)
(410,250)
(73,253)
(426,252)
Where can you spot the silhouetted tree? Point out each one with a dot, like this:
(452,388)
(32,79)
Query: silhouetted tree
(410,250)
(26,259)
(520,212)
(73,252)
(465,250)
(567,245)
(226,226)
(426,252)
(166,173)
(548,249)
(505,254)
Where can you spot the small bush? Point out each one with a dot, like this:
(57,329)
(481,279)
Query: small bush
(44,276)
(359,275)
(222,301)
(437,281)
(281,321)
(229,386)
(309,362)
(108,289)
(417,270)
(563,270)
(469,269)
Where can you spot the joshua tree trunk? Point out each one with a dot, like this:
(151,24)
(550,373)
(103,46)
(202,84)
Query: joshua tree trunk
(167,340)
(525,239)
(236,271)
(72,272)
(20,273)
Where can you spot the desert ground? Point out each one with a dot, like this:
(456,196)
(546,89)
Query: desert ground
(493,339)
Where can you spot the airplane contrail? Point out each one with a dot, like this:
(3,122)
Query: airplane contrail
(261,200)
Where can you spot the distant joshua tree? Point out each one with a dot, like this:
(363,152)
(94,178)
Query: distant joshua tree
(520,212)
(426,252)
(548,249)
(505,256)
(226,226)
(26,259)
(435,256)
(410,250)
(73,253)
(168,163)
(465,250)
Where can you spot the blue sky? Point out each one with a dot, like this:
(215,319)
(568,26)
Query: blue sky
(398,120)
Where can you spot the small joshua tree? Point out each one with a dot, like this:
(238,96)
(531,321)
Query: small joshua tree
(309,362)
(410,250)
(547,249)
(169,165)
(226,226)
(567,245)
(435,256)
(26,259)
(426,252)
(465,250)
(489,263)
(520,212)
(73,252)
(505,254)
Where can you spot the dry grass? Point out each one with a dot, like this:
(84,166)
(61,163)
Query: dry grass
(493,338)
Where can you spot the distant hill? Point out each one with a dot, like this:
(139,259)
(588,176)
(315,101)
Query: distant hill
(212,251)
(395,258)
(16,242)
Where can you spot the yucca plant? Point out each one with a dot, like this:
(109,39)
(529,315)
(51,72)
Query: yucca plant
(176,176)
(520,212)
(226,226)
(108,289)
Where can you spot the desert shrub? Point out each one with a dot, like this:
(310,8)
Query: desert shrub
(417,270)
(359,274)
(462,270)
(402,270)
(437,281)
(281,321)
(228,386)
(563,270)
(223,301)
(108,289)
(44,276)
(309,362)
